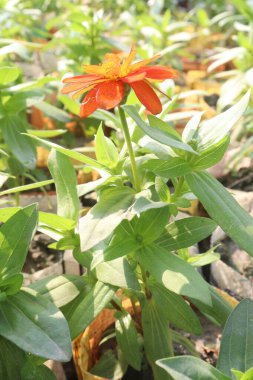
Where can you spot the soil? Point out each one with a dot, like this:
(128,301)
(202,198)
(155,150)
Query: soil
(239,180)
(40,256)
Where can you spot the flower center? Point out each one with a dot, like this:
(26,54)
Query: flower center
(112,66)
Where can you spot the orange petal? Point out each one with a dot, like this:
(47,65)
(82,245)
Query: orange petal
(159,72)
(94,69)
(127,62)
(81,78)
(147,97)
(138,65)
(82,91)
(110,94)
(134,77)
(89,104)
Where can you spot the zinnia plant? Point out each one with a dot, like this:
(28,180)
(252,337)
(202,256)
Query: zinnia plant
(132,243)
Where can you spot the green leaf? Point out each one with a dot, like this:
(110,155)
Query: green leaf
(81,314)
(15,238)
(237,374)
(8,75)
(7,212)
(13,128)
(20,101)
(32,371)
(46,133)
(204,258)
(53,112)
(117,272)
(64,176)
(157,338)
(12,360)
(108,117)
(213,130)
(105,216)
(106,151)
(175,309)
(11,284)
(174,273)
(122,242)
(127,339)
(223,208)
(70,153)
(184,233)
(190,368)
(244,8)
(162,189)
(55,221)
(31,186)
(156,133)
(220,309)
(173,167)
(70,104)
(191,128)
(236,349)
(60,289)
(248,375)
(157,123)
(34,324)
(210,156)
(149,225)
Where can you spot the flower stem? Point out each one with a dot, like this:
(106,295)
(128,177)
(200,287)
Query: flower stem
(130,148)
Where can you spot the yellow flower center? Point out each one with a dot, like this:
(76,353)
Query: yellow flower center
(112,66)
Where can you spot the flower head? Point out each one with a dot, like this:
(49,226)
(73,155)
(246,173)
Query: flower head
(105,84)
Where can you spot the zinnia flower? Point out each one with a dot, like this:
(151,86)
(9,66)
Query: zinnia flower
(107,83)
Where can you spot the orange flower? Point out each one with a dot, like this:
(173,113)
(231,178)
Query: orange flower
(106,83)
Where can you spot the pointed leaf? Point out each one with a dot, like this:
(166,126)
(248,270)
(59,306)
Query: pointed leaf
(127,340)
(106,151)
(213,130)
(65,180)
(117,272)
(190,368)
(175,309)
(236,349)
(81,314)
(184,233)
(70,153)
(157,134)
(105,216)
(157,338)
(15,238)
(13,129)
(173,167)
(8,74)
(60,289)
(174,273)
(31,186)
(34,324)
(223,208)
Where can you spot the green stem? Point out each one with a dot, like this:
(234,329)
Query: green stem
(144,279)
(17,195)
(178,187)
(130,149)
